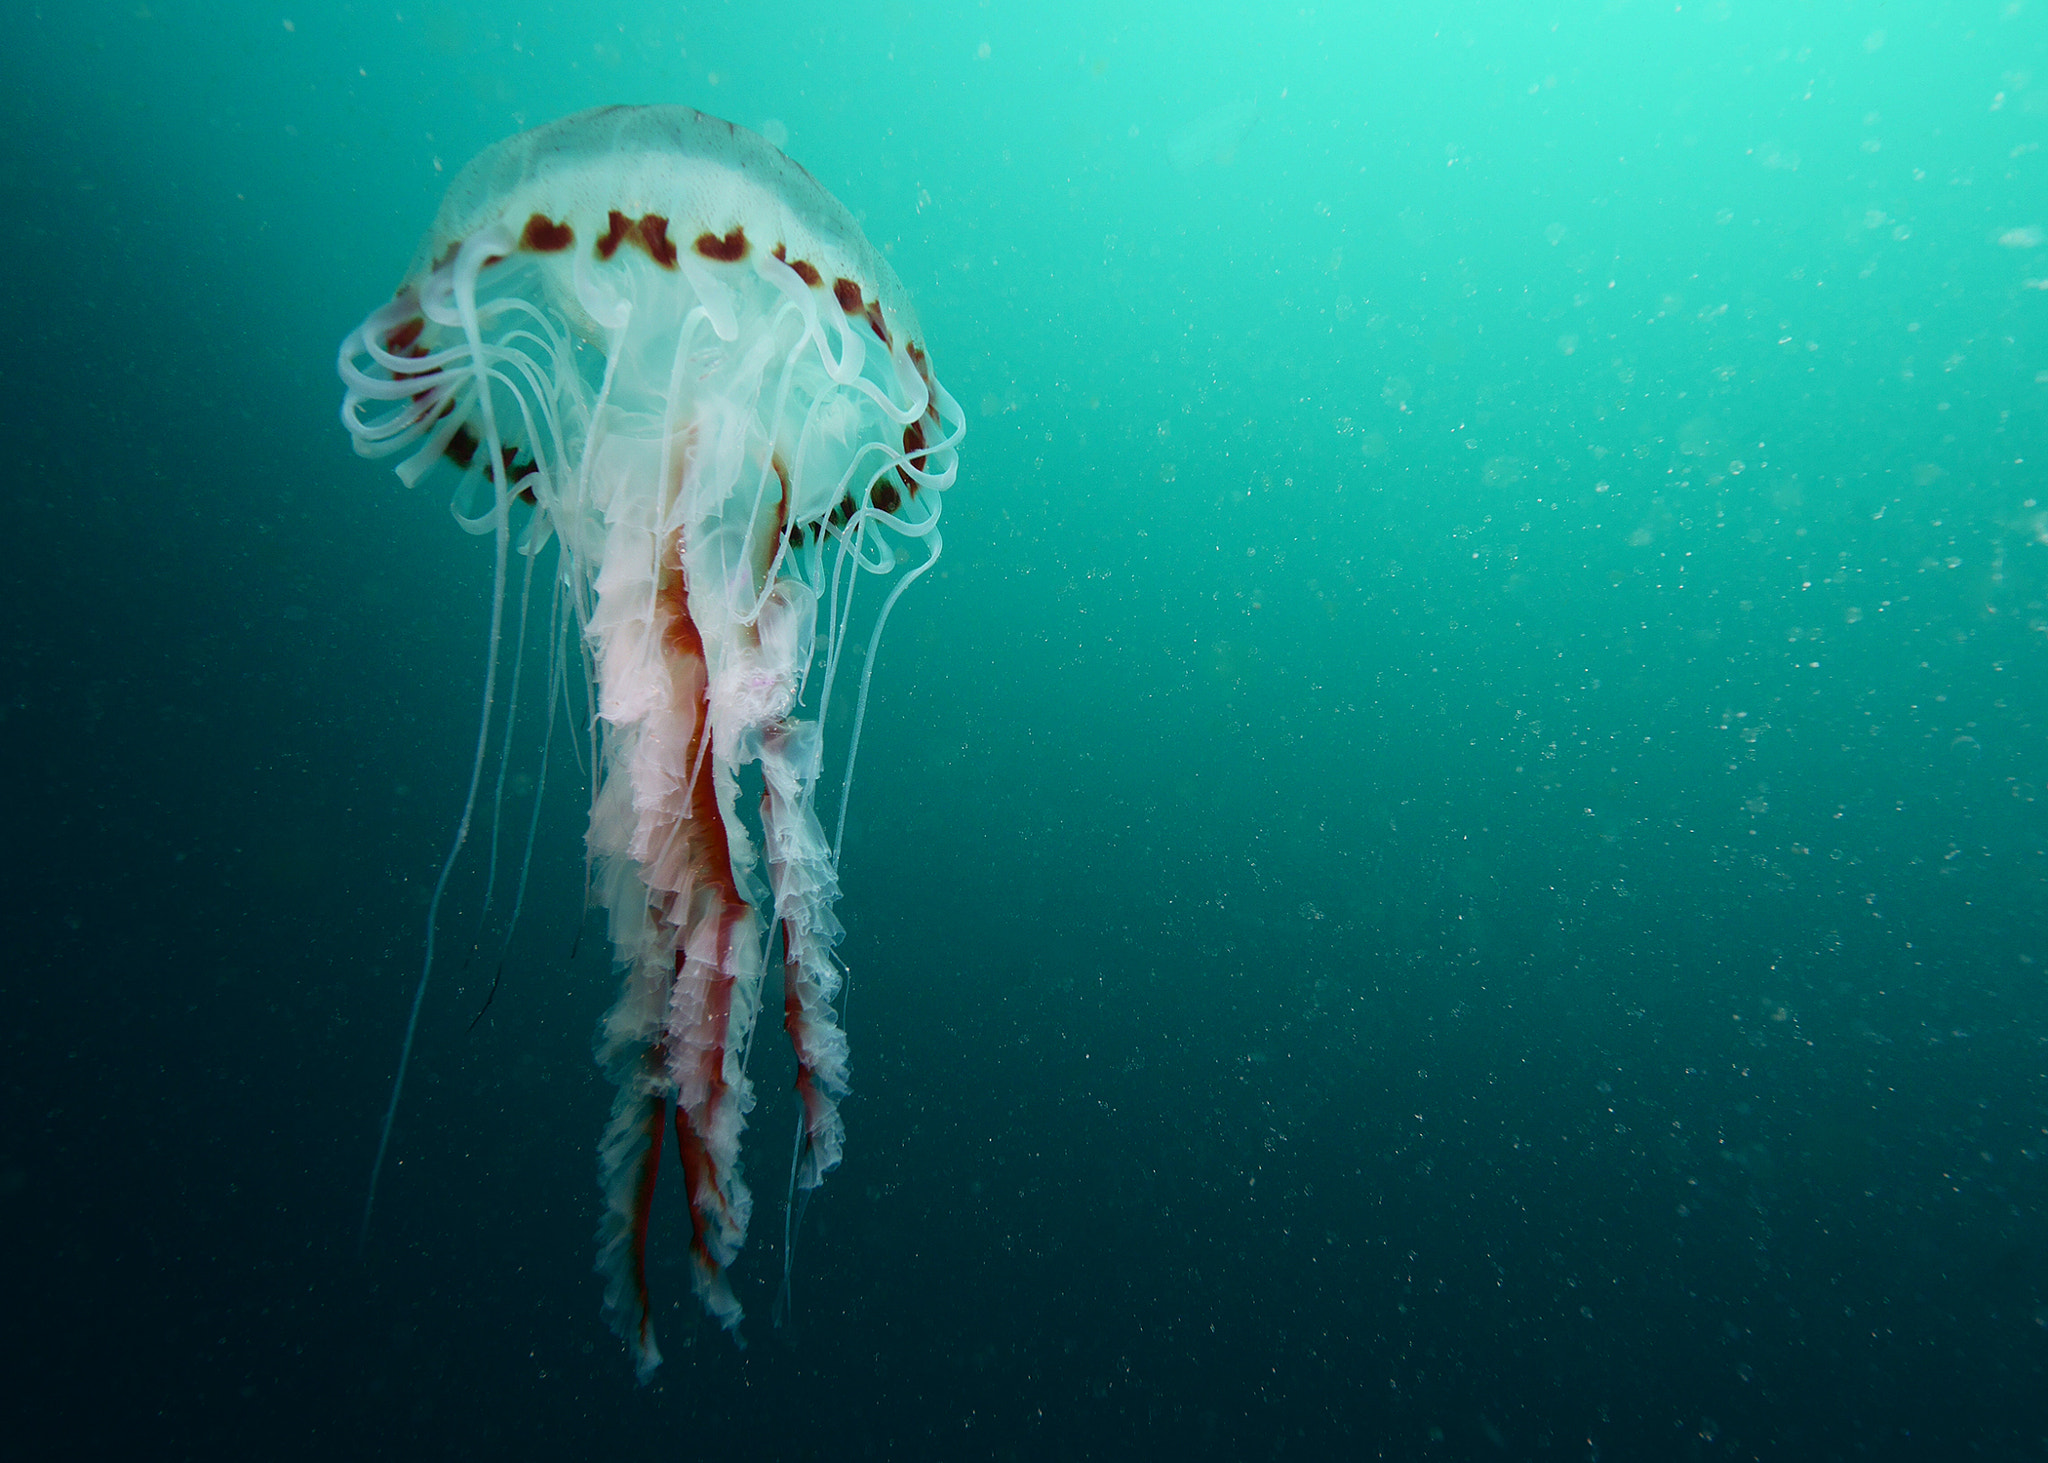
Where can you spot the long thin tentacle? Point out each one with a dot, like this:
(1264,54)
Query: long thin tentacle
(472,257)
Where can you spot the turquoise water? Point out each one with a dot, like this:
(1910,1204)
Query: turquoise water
(1451,865)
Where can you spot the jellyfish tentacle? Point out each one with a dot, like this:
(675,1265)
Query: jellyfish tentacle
(860,712)
(505,739)
(470,257)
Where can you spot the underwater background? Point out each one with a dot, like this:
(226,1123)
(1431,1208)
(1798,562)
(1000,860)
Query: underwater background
(1453,864)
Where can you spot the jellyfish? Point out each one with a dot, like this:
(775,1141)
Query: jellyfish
(643,338)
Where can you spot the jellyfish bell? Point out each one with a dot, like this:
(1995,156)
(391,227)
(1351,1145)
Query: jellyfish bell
(680,350)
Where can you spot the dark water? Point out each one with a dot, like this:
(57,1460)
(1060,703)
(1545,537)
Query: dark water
(1454,866)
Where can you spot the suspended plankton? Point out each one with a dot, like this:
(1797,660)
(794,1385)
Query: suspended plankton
(679,349)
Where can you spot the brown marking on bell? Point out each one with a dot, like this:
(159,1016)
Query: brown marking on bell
(843,512)
(729,250)
(525,495)
(448,255)
(651,234)
(874,313)
(847,292)
(516,470)
(461,448)
(804,271)
(400,336)
(542,235)
(884,496)
(913,451)
(617,227)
